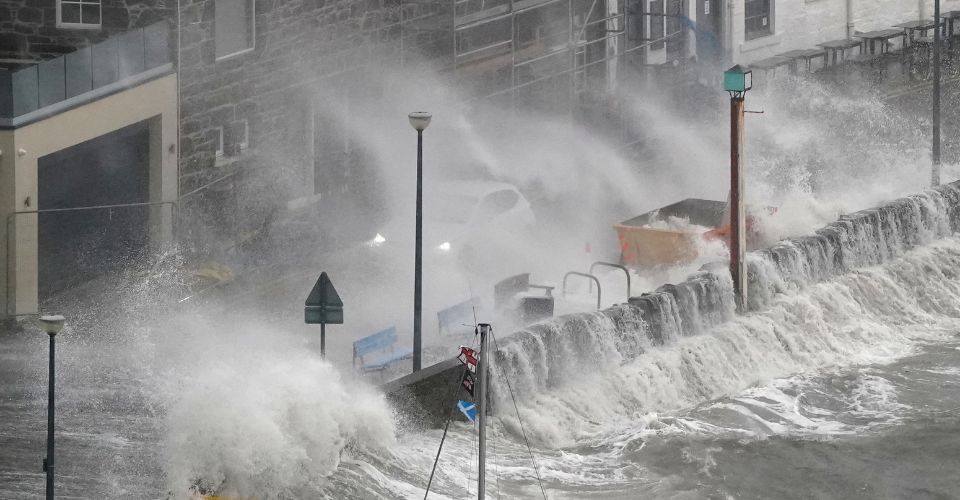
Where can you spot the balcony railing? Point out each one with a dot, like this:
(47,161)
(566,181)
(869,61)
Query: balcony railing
(121,58)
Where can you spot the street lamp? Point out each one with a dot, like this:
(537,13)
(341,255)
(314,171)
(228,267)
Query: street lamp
(935,172)
(52,325)
(737,81)
(419,120)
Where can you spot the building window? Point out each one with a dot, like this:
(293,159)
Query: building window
(758,21)
(657,24)
(78,13)
(233,139)
(234,27)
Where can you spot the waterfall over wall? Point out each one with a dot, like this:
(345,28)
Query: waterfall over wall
(541,354)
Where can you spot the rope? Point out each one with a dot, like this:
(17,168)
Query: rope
(496,464)
(436,460)
(536,467)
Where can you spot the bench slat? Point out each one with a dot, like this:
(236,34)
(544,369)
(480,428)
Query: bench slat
(385,361)
(376,342)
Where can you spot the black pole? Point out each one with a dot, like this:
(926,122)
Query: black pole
(481,403)
(418,265)
(323,340)
(935,174)
(48,462)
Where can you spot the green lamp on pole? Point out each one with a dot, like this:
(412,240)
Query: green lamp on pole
(737,81)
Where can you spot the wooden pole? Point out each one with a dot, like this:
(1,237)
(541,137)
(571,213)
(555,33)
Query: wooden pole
(738,231)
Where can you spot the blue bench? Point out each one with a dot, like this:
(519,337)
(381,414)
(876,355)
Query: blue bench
(458,318)
(381,342)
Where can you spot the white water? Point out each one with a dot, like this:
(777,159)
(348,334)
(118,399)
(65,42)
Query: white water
(269,423)
(252,416)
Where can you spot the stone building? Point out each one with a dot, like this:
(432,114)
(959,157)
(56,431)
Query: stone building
(41,29)
(197,96)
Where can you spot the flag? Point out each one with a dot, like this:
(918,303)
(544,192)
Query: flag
(468,382)
(469,409)
(468,357)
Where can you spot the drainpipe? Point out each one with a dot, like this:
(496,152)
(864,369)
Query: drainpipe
(850,24)
(730,34)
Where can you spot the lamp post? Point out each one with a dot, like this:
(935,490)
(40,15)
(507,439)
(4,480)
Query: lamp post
(737,81)
(935,172)
(52,325)
(419,120)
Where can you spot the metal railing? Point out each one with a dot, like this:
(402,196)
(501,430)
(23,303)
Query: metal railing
(113,60)
(10,240)
(585,275)
(615,266)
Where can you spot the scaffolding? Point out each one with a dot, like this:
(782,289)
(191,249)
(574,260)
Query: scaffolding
(545,53)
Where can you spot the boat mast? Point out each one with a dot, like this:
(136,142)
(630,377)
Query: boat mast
(482,410)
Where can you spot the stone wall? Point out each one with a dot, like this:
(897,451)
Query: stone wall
(266,95)
(28,28)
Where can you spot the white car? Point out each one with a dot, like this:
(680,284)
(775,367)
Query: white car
(457,213)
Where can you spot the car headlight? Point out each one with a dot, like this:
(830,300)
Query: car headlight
(377,240)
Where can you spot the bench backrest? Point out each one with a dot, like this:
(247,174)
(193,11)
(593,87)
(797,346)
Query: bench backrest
(455,317)
(506,289)
(376,342)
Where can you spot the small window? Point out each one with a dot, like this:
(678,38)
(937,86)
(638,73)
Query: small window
(233,139)
(220,150)
(234,26)
(78,13)
(758,21)
(497,203)
(657,18)
(243,135)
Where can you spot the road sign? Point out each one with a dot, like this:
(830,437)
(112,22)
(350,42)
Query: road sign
(323,305)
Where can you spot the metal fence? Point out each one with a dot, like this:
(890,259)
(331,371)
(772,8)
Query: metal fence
(77,244)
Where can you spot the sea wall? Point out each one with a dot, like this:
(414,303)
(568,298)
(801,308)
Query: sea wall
(537,356)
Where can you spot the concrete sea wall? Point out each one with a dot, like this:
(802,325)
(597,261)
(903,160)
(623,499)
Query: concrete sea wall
(702,301)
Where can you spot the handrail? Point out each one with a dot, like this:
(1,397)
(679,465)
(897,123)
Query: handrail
(11,215)
(585,275)
(616,266)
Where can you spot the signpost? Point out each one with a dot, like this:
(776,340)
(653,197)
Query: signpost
(323,307)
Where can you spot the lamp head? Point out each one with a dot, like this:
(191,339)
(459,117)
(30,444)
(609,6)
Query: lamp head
(737,80)
(419,120)
(52,324)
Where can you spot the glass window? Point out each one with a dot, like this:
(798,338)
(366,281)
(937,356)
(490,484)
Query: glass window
(78,13)
(497,203)
(234,26)
(757,19)
(657,24)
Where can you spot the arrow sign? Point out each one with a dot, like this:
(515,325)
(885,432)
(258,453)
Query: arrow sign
(323,305)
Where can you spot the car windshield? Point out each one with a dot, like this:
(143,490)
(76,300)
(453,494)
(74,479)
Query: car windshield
(497,203)
(452,208)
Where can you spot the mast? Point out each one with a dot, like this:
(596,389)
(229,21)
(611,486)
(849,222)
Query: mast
(482,410)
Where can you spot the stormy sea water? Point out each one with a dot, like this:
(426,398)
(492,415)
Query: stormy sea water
(847,389)
(844,382)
